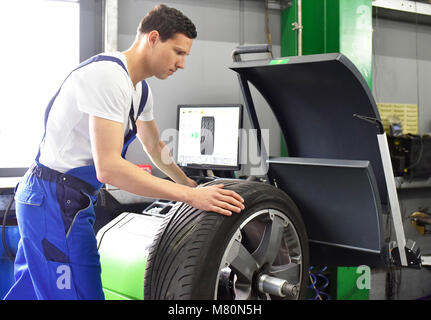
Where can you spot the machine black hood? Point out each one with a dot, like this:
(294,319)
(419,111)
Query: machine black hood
(314,99)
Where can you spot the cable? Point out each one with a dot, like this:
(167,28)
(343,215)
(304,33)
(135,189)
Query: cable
(268,31)
(374,57)
(3,236)
(418,93)
(388,230)
(393,283)
(419,156)
(417,59)
(313,281)
(314,278)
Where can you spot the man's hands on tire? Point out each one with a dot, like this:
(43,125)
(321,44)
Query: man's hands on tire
(216,199)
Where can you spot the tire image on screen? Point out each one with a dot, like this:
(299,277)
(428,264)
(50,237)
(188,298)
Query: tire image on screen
(207,135)
(260,253)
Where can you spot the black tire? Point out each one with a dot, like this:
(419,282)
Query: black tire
(185,259)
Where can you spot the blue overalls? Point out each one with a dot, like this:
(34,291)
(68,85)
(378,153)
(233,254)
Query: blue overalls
(57,255)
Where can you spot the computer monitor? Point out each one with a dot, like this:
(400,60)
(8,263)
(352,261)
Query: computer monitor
(209,136)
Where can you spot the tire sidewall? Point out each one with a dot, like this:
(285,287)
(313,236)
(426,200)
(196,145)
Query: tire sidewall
(264,197)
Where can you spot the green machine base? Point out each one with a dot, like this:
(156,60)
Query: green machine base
(123,247)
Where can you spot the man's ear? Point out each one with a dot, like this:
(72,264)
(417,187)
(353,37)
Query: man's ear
(153,38)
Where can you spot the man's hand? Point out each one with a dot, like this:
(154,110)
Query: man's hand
(191,183)
(216,199)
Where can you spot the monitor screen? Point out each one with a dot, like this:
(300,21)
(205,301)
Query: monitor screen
(208,136)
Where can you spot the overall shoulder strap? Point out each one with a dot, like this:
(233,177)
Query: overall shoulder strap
(144,97)
(104,58)
(83,64)
(131,135)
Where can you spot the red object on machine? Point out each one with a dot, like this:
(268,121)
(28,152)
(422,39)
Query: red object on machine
(146,167)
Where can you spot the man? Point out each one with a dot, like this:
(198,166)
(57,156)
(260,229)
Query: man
(89,123)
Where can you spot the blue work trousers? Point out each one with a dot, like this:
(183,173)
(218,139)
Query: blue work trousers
(57,255)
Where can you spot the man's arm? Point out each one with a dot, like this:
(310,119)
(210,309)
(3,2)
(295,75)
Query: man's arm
(107,143)
(148,134)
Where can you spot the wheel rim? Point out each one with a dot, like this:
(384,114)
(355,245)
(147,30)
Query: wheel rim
(263,260)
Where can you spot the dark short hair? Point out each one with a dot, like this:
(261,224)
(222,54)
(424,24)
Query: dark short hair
(168,22)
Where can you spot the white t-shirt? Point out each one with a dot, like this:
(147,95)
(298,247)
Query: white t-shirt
(102,89)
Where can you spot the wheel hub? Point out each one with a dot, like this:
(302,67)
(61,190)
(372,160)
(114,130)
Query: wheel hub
(262,260)
(276,286)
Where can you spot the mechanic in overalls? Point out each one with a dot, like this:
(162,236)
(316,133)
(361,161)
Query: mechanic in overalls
(89,123)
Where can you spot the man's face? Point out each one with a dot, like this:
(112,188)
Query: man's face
(170,55)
